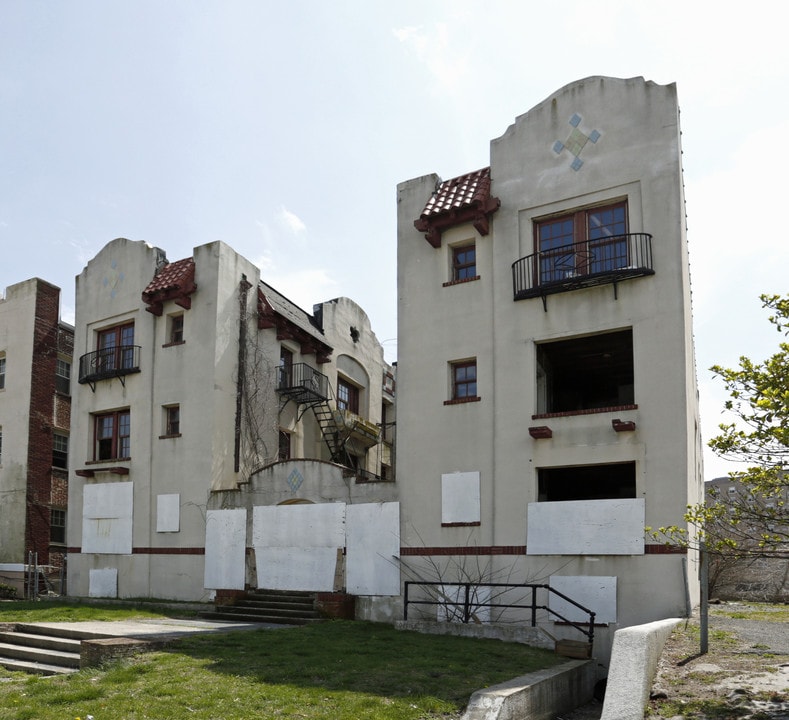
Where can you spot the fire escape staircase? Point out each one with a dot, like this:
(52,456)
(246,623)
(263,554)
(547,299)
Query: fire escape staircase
(346,435)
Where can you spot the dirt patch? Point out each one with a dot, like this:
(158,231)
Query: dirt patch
(745,673)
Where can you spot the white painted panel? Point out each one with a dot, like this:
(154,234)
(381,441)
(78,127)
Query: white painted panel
(103,583)
(453,603)
(299,525)
(373,545)
(168,513)
(460,497)
(107,510)
(596,592)
(586,527)
(225,549)
(291,568)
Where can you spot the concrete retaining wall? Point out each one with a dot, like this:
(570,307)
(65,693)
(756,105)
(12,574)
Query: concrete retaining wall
(537,696)
(634,658)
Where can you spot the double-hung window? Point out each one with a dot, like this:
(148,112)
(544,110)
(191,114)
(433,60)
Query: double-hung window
(347,396)
(584,242)
(60,451)
(464,379)
(112,432)
(63,376)
(116,348)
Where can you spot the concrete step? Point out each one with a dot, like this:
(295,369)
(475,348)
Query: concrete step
(258,618)
(35,668)
(14,651)
(47,642)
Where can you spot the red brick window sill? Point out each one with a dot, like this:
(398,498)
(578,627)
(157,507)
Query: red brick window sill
(461,524)
(462,401)
(589,411)
(165,437)
(461,282)
(172,344)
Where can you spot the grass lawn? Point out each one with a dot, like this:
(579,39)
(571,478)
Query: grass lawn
(340,670)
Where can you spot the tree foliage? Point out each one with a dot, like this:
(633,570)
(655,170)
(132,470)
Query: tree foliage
(752,521)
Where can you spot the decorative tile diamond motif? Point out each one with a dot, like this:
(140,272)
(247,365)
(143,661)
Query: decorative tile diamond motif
(295,479)
(576,141)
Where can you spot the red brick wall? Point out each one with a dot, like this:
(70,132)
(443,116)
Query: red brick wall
(45,487)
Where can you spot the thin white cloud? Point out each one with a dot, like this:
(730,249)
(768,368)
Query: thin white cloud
(433,48)
(292,221)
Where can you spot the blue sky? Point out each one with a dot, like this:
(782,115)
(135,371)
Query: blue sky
(284,128)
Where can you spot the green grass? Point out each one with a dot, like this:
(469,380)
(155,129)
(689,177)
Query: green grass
(337,670)
(754,611)
(73,611)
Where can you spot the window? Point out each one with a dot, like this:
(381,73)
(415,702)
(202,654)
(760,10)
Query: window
(172,420)
(464,262)
(112,436)
(176,329)
(285,368)
(582,243)
(587,482)
(347,396)
(464,380)
(63,376)
(1,445)
(57,526)
(2,371)
(60,451)
(116,348)
(284,446)
(587,373)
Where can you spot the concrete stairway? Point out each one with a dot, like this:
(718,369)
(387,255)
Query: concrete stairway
(269,606)
(39,651)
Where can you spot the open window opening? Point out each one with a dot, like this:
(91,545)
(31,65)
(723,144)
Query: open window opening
(586,373)
(587,482)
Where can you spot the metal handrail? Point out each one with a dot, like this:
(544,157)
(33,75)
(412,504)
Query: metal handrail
(467,605)
(302,378)
(592,262)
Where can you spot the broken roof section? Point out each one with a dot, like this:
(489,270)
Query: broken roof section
(291,322)
(174,281)
(463,199)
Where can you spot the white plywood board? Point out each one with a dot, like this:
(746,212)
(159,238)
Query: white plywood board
(292,568)
(103,583)
(460,497)
(595,592)
(373,544)
(299,525)
(225,549)
(168,513)
(586,527)
(107,511)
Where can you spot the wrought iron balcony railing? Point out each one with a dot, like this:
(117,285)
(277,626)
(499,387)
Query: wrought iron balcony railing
(109,362)
(594,262)
(302,383)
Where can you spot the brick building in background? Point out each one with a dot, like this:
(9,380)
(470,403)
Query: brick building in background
(35,413)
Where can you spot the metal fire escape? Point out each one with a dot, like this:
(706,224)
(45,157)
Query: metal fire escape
(346,435)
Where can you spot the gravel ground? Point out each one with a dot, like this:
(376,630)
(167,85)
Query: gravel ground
(744,675)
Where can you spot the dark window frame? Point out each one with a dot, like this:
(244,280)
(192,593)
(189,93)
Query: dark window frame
(172,420)
(112,436)
(464,262)
(59,455)
(2,372)
(347,396)
(284,450)
(176,336)
(121,339)
(57,526)
(582,242)
(463,380)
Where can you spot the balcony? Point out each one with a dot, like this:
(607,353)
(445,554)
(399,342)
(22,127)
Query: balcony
(107,363)
(601,261)
(363,432)
(302,383)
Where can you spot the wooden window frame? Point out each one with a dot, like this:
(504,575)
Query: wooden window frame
(172,420)
(464,269)
(122,340)
(119,436)
(347,396)
(461,383)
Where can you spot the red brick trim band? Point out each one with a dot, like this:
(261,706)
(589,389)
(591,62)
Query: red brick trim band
(150,551)
(460,282)
(517,550)
(461,524)
(462,401)
(588,411)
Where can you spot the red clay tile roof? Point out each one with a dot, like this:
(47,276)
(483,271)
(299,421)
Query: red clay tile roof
(459,192)
(175,281)
(459,200)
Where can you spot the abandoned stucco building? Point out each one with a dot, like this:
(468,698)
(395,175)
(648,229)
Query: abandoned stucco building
(546,378)
(210,410)
(35,400)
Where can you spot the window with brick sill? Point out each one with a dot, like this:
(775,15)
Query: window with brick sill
(112,436)
(464,264)
(172,421)
(2,371)
(347,396)
(175,329)
(463,382)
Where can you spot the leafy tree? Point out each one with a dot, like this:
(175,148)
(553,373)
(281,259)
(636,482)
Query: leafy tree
(753,521)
